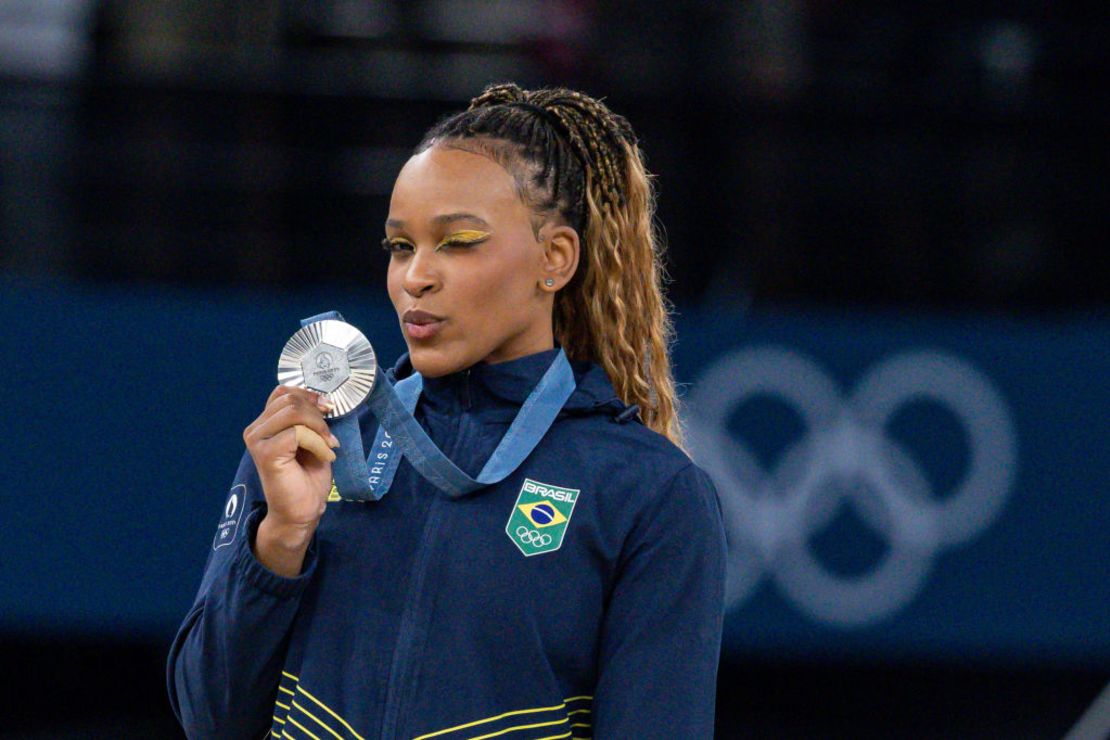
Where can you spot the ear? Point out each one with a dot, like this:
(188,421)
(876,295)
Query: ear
(560,257)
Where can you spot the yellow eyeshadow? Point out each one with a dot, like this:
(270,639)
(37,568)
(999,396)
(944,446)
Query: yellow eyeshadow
(467,236)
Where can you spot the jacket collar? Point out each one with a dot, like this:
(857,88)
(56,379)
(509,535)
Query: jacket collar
(507,385)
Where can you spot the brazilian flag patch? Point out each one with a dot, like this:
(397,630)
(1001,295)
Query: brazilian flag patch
(540,517)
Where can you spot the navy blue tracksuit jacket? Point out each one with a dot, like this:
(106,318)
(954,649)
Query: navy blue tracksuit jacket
(422,616)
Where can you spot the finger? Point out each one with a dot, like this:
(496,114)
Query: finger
(288,416)
(279,390)
(298,401)
(314,443)
(283,397)
(294,392)
(279,400)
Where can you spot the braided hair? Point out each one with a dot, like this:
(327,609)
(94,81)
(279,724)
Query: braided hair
(575,160)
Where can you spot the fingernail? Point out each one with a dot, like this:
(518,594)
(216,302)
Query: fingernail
(325,404)
(333,440)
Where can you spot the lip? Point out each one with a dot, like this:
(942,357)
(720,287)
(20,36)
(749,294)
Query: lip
(416,316)
(421,324)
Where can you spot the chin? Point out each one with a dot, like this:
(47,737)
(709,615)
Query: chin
(434,362)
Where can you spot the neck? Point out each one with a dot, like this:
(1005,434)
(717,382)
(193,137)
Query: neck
(489,385)
(522,345)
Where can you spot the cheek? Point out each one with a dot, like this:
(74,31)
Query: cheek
(393,282)
(499,289)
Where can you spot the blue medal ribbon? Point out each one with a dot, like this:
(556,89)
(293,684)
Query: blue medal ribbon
(367,478)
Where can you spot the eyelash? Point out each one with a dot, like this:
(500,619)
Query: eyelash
(396,245)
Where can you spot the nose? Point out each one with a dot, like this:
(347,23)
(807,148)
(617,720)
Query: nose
(420,274)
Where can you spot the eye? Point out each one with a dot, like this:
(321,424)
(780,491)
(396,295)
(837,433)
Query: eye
(396,245)
(458,243)
(464,239)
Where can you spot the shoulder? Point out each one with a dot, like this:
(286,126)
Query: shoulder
(629,439)
(599,433)
(659,511)
(602,426)
(668,480)
(637,474)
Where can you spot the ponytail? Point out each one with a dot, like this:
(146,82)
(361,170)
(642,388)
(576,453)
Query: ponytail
(584,164)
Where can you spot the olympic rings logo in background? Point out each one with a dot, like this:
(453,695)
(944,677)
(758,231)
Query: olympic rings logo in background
(532,537)
(845,455)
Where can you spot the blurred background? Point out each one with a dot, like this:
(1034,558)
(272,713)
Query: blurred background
(894,341)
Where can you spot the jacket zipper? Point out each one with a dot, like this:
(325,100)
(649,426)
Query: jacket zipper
(401,670)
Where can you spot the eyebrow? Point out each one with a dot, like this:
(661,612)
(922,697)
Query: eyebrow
(439,220)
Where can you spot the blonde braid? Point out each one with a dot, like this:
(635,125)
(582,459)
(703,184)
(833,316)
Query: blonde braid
(617,314)
(626,323)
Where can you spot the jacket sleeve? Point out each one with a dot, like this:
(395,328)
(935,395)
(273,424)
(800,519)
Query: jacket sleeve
(661,635)
(225,663)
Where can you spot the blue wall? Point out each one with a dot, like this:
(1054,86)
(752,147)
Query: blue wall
(124,412)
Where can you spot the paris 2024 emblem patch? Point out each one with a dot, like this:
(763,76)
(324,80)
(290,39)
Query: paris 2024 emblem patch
(540,517)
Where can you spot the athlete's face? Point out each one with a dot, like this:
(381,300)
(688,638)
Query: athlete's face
(466,271)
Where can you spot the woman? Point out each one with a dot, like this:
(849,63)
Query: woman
(580,597)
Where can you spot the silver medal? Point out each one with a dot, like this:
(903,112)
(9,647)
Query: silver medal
(330,357)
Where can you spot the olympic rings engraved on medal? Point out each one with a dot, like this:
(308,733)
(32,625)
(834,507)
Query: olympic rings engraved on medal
(532,537)
(846,457)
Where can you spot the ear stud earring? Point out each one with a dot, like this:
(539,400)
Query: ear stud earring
(549,282)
